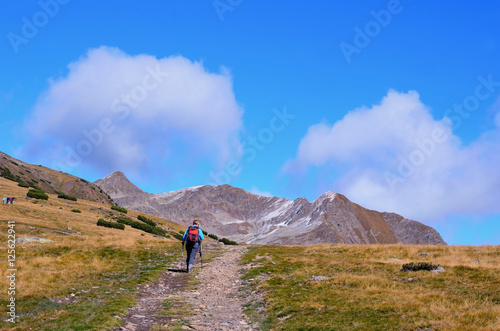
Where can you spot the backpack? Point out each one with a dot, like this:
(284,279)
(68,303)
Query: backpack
(193,235)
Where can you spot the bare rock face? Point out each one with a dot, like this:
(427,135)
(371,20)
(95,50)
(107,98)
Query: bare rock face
(235,213)
(412,232)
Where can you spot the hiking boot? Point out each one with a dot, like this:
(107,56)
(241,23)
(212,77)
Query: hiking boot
(190,269)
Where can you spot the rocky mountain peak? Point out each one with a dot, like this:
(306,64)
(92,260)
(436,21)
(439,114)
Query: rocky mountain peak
(117,185)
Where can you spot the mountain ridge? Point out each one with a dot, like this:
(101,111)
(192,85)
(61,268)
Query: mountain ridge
(233,212)
(49,180)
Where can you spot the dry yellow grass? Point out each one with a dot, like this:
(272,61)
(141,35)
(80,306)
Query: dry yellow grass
(77,259)
(366,290)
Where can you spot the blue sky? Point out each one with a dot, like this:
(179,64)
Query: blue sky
(393,103)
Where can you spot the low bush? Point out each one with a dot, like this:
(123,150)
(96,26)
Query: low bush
(37,194)
(228,241)
(124,220)
(213,236)
(178,236)
(419,266)
(142,226)
(120,209)
(23,184)
(146,220)
(67,197)
(76,211)
(109,224)
(7,174)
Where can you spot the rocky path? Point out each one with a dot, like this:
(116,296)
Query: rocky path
(218,300)
(215,304)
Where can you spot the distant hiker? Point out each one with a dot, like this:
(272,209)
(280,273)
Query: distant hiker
(5,200)
(192,239)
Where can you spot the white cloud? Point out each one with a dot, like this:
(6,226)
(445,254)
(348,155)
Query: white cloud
(401,159)
(117,111)
(256,191)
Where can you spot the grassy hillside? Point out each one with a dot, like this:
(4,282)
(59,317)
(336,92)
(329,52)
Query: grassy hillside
(364,288)
(88,274)
(49,180)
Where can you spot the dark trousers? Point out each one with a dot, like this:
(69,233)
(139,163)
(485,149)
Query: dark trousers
(191,253)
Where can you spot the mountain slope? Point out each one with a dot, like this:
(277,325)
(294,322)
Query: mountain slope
(242,216)
(51,181)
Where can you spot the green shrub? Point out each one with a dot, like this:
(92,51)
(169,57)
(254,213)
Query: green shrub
(205,233)
(76,210)
(146,220)
(22,184)
(228,241)
(419,266)
(67,197)
(213,236)
(178,236)
(109,224)
(7,174)
(124,220)
(37,194)
(142,226)
(120,209)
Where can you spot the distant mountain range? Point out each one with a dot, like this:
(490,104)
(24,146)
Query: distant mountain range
(237,214)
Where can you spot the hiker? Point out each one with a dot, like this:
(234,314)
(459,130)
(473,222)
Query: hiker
(192,239)
(5,200)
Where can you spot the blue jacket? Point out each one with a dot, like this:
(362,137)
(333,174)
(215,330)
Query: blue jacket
(200,234)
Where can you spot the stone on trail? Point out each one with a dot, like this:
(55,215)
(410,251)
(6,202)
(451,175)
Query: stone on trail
(438,270)
(319,278)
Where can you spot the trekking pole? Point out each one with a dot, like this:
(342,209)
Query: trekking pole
(182,252)
(201,258)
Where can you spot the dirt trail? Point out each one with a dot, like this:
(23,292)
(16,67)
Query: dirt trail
(216,304)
